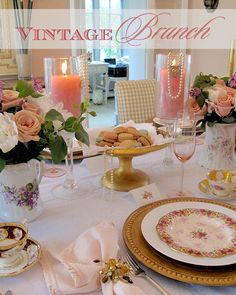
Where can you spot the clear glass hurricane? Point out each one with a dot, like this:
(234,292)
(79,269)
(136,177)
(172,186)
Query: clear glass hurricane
(184,145)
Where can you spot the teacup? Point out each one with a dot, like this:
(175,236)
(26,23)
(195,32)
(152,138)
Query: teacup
(222,183)
(13,238)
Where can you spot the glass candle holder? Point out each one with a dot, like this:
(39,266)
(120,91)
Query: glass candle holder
(66,80)
(173,77)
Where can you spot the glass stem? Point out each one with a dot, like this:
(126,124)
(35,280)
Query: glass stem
(70,179)
(182,179)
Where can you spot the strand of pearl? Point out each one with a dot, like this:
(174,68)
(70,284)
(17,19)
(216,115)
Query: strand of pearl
(181,62)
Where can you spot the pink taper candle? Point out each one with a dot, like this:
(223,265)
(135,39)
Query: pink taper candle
(67,89)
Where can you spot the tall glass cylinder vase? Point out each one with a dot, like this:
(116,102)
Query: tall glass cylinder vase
(66,80)
(24,64)
(173,77)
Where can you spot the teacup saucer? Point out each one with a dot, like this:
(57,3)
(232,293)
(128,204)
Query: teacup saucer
(26,259)
(204,188)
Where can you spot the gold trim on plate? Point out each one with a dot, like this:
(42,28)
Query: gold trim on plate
(142,251)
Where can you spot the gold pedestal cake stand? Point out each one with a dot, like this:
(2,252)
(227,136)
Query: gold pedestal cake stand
(125,177)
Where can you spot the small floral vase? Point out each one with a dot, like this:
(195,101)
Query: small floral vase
(218,149)
(19,191)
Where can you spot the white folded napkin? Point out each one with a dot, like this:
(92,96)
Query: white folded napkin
(76,268)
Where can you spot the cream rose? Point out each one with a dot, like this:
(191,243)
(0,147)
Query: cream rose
(194,108)
(8,133)
(32,108)
(28,124)
(9,95)
(217,91)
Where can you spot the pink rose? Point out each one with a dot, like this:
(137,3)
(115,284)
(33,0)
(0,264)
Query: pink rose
(9,95)
(28,125)
(10,99)
(223,106)
(12,104)
(194,108)
(32,108)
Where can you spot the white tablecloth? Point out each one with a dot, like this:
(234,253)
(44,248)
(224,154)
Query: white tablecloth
(64,220)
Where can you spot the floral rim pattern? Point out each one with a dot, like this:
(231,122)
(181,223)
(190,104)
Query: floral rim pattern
(198,232)
(25,196)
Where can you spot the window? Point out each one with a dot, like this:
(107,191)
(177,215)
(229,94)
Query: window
(105,19)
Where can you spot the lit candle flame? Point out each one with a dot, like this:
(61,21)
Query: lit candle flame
(173,62)
(64,67)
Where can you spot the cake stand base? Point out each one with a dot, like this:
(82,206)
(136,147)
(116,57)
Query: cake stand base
(125,178)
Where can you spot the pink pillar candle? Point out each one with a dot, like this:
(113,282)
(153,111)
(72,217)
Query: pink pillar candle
(67,89)
(171,106)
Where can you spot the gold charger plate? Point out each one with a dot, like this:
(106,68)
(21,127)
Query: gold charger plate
(142,251)
(76,155)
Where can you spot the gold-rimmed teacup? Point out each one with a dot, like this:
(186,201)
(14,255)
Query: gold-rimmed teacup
(13,238)
(222,183)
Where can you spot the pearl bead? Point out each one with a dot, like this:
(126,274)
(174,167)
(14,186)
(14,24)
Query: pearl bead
(181,63)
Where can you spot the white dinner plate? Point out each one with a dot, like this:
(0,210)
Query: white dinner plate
(150,233)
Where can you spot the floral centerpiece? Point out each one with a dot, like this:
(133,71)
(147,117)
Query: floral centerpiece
(213,100)
(29,123)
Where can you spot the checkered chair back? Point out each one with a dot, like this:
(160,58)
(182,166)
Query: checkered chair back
(135,100)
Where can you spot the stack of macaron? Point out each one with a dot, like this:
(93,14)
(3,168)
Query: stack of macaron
(124,137)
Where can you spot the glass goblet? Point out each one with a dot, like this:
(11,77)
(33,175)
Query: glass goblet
(70,188)
(184,145)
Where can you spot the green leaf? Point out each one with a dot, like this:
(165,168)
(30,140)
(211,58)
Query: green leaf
(36,95)
(206,94)
(70,123)
(228,120)
(84,106)
(201,100)
(53,115)
(211,124)
(24,88)
(2,164)
(82,136)
(58,149)
(225,79)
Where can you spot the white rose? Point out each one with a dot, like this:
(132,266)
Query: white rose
(8,133)
(44,102)
(215,92)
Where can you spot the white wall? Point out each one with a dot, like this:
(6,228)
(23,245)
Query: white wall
(210,61)
(137,57)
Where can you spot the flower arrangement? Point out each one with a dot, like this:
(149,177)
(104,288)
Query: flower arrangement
(213,99)
(29,123)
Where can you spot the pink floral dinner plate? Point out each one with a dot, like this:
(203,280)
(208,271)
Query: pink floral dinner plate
(196,233)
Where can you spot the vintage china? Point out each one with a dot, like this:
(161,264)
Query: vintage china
(221,183)
(218,149)
(12,240)
(160,125)
(12,235)
(177,270)
(19,191)
(205,233)
(204,188)
(149,231)
(24,261)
